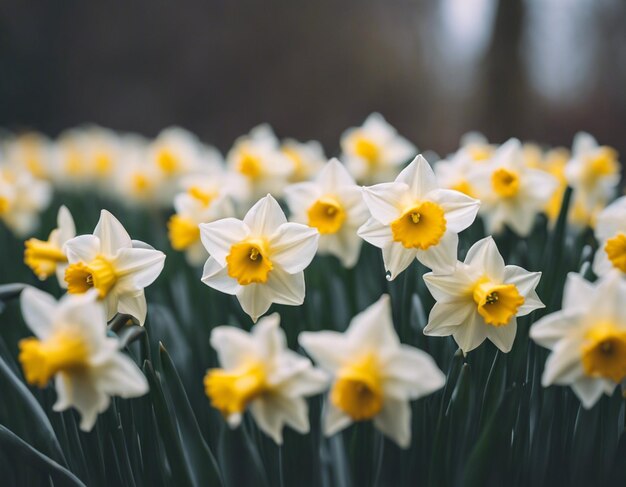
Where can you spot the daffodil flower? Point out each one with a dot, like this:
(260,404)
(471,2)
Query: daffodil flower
(593,172)
(610,233)
(260,259)
(374,375)
(258,158)
(30,151)
(307,158)
(71,346)
(260,374)
(587,338)
(22,199)
(481,299)
(116,267)
(413,218)
(510,192)
(333,204)
(374,152)
(47,257)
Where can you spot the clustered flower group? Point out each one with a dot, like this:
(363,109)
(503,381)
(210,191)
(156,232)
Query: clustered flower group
(228,215)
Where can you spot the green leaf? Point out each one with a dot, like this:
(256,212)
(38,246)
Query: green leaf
(27,456)
(202,463)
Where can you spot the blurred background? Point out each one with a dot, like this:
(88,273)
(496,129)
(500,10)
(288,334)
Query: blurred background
(536,69)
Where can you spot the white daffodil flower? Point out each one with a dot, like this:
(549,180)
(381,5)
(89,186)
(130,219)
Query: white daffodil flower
(206,198)
(375,376)
(481,299)
(22,199)
(587,337)
(257,157)
(610,233)
(260,259)
(261,374)
(413,218)
(333,204)
(374,152)
(175,152)
(118,268)
(593,172)
(453,172)
(47,257)
(477,146)
(307,158)
(30,151)
(72,346)
(510,192)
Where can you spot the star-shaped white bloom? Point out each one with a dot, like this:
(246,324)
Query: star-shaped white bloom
(333,204)
(48,257)
(510,192)
(413,218)
(260,259)
(593,172)
(374,152)
(587,337)
(307,158)
(72,346)
(116,266)
(261,374)
(610,233)
(375,376)
(481,299)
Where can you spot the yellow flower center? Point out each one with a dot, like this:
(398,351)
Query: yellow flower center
(73,163)
(615,249)
(140,183)
(497,303)
(480,153)
(327,215)
(42,257)
(203,196)
(103,163)
(604,352)
(42,359)
(505,183)
(182,232)
(167,161)
(249,263)
(232,391)
(250,165)
(358,389)
(463,186)
(4,205)
(367,149)
(99,274)
(603,163)
(299,172)
(420,227)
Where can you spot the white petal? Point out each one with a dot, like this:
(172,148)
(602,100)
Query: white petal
(269,337)
(373,328)
(445,318)
(79,391)
(268,418)
(141,266)
(394,421)
(503,336)
(441,258)
(86,313)
(333,176)
(563,366)
(484,255)
(283,288)
(410,373)
(385,201)
(219,236)
(450,287)
(375,233)
(216,276)
(588,390)
(83,248)
(397,258)
(65,224)
(38,309)
(234,347)
(553,327)
(471,334)
(120,376)
(293,246)
(255,299)
(264,217)
(112,234)
(327,348)
(460,210)
(524,281)
(301,196)
(577,291)
(334,420)
(309,382)
(419,177)
(134,305)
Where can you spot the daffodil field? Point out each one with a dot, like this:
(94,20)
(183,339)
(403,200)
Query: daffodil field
(272,317)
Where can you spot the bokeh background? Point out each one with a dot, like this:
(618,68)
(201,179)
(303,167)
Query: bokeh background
(537,69)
